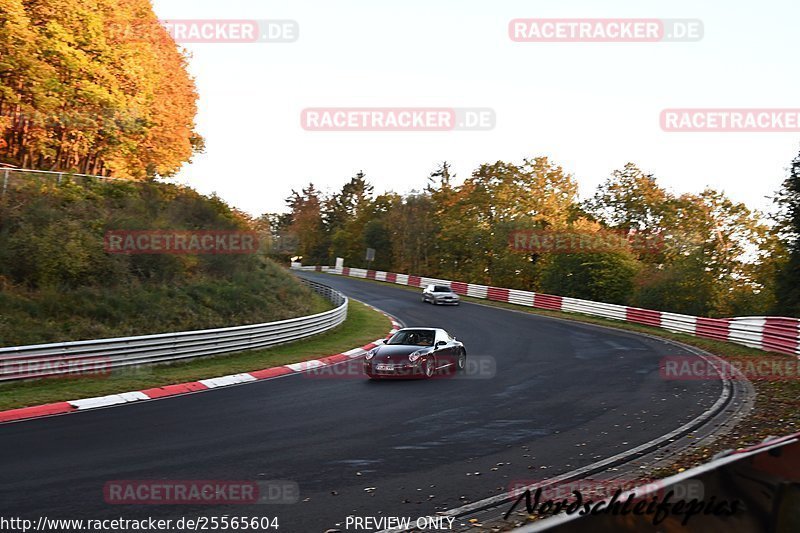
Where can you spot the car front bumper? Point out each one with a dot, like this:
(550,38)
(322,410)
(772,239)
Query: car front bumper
(380,370)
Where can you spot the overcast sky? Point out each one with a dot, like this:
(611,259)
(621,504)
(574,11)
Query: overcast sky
(590,107)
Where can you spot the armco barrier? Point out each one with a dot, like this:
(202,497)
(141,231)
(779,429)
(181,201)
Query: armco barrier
(774,334)
(26,174)
(91,356)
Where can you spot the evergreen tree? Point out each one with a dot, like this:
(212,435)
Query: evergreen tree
(788,274)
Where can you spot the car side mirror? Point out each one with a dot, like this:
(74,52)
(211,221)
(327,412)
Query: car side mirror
(440,343)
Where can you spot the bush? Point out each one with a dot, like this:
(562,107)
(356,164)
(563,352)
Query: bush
(603,277)
(58,283)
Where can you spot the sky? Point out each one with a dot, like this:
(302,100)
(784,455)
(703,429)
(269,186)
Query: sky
(589,107)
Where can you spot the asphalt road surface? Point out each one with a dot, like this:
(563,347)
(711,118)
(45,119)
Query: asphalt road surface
(557,395)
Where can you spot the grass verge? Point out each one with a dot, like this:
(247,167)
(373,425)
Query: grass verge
(777,403)
(362,326)
(44,315)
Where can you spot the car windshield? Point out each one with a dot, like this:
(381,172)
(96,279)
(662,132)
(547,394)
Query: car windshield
(413,337)
(441,288)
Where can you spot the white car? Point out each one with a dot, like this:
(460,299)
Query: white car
(440,294)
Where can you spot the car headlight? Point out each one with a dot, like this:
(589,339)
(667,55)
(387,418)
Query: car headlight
(414,356)
(371,353)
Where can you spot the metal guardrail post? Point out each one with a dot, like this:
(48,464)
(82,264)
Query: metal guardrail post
(5,182)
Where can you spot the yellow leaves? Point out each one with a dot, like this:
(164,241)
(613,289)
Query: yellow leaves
(103,102)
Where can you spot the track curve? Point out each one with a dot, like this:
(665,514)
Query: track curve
(564,394)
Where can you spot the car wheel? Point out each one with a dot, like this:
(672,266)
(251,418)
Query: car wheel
(461,362)
(429,368)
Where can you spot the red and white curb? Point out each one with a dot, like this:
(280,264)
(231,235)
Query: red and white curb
(85,404)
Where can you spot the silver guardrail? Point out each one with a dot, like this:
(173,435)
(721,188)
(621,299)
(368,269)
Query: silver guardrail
(6,174)
(101,355)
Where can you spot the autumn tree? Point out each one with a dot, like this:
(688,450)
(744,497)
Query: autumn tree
(80,91)
(710,248)
(378,232)
(346,214)
(631,199)
(705,254)
(413,234)
(305,224)
(601,277)
(495,200)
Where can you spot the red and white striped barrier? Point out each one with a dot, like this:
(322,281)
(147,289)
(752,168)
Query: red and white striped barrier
(774,334)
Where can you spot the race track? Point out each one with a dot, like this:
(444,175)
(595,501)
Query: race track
(564,395)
